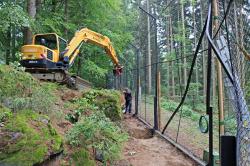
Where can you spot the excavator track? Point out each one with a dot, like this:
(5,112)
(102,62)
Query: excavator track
(61,76)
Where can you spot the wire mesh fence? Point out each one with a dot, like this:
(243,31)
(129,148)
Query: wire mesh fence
(184,127)
(231,42)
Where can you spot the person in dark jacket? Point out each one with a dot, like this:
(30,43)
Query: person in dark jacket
(128,99)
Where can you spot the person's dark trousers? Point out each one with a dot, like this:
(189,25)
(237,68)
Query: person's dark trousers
(128,107)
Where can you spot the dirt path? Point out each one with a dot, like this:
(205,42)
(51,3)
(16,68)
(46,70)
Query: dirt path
(143,149)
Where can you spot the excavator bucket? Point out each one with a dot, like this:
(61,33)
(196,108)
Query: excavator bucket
(117,71)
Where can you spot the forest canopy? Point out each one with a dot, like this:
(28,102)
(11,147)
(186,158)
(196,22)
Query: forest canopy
(112,18)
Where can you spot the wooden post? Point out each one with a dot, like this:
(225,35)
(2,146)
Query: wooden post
(159,100)
(221,98)
(219,75)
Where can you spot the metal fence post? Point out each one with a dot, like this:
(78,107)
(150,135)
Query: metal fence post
(159,101)
(137,81)
(156,79)
(209,109)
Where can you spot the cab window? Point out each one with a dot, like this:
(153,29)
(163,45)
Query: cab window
(62,44)
(49,41)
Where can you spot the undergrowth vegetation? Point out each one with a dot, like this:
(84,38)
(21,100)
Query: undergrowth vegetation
(19,90)
(80,156)
(107,101)
(187,110)
(98,132)
(5,114)
(93,124)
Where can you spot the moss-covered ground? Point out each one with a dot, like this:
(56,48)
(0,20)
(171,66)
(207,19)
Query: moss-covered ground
(39,119)
(27,138)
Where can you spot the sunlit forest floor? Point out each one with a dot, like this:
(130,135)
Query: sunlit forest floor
(143,149)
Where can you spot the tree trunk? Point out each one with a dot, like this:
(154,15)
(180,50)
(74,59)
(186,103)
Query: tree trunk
(8,48)
(184,42)
(203,59)
(13,43)
(38,5)
(195,43)
(54,2)
(31,8)
(149,51)
(168,26)
(66,17)
(180,66)
(172,62)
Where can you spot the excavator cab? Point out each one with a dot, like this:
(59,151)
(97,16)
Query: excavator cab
(44,52)
(49,41)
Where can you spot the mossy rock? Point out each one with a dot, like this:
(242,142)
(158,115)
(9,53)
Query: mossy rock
(27,138)
(106,100)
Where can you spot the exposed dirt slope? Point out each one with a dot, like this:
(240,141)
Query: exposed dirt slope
(143,150)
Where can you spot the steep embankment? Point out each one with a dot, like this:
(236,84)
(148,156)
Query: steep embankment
(39,120)
(26,134)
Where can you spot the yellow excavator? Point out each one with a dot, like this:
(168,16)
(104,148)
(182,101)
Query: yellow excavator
(49,56)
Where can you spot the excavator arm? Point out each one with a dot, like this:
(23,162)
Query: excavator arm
(89,36)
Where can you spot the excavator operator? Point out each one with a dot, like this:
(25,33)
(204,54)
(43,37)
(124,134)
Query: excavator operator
(43,42)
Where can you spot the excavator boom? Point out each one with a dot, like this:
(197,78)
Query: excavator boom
(89,36)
